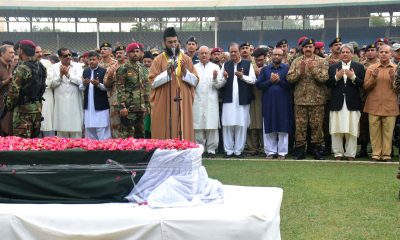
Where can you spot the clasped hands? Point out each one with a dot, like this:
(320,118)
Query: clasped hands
(95,82)
(340,73)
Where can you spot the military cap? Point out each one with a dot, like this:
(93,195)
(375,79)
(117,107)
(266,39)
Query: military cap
(155,52)
(245,44)
(336,40)
(280,42)
(259,52)
(384,40)
(372,45)
(191,39)
(217,49)
(46,52)
(148,54)
(133,46)
(74,54)
(300,40)
(355,45)
(319,45)
(120,48)
(170,32)
(27,43)
(105,44)
(307,41)
(396,47)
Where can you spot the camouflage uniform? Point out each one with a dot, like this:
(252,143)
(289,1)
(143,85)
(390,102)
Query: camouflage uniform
(147,118)
(110,83)
(27,108)
(309,99)
(132,85)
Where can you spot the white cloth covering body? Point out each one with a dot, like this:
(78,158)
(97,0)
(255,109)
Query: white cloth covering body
(68,102)
(235,118)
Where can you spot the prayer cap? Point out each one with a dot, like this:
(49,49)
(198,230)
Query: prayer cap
(170,32)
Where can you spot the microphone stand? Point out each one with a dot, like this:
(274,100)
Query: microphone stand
(172,71)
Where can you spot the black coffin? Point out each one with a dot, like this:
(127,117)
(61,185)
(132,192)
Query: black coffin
(73,176)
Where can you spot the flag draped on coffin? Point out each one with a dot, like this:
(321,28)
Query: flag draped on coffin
(73,176)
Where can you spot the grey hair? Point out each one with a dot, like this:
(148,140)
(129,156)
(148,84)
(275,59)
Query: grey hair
(3,48)
(233,44)
(204,46)
(348,46)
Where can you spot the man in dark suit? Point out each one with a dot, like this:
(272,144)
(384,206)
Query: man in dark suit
(95,102)
(345,80)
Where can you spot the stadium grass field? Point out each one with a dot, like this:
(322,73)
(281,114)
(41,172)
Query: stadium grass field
(324,199)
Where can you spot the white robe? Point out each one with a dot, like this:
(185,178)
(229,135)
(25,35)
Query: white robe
(48,104)
(68,106)
(205,105)
(234,114)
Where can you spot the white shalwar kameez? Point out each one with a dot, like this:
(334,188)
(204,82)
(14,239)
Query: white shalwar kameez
(47,126)
(68,106)
(235,118)
(97,123)
(205,108)
(344,123)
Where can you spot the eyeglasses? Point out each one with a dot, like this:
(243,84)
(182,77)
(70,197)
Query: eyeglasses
(66,55)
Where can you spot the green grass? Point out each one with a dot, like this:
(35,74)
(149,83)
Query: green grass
(324,200)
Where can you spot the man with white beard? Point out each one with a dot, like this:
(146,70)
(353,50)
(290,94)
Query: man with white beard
(68,106)
(205,105)
(47,126)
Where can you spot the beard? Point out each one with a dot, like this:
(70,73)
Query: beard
(170,53)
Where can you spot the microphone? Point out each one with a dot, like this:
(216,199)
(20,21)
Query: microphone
(173,53)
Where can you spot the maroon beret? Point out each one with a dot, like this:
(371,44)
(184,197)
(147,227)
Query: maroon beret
(133,46)
(319,45)
(217,49)
(27,43)
(300,40)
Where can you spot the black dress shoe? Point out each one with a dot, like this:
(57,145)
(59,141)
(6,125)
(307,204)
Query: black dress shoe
(211,155)
(299,153)
(318,155)
(239,156)
(228,155)
(362,154)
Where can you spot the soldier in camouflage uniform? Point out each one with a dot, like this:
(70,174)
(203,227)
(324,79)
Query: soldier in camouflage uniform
(334,58)
(133,98)
(309,73)
(147,61)
(25,94)
(111,65)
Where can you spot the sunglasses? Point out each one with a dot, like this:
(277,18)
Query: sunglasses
(66,55)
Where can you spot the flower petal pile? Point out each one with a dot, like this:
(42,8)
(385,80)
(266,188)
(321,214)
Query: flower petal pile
(61,144)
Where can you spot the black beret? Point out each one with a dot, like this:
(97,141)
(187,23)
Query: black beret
(307,41)
(170,32)
(259,52)
(148,54)
(105,44)
(336,40)
(191,39)
(245,44)
(119,48)
(280,42)
(372,45)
